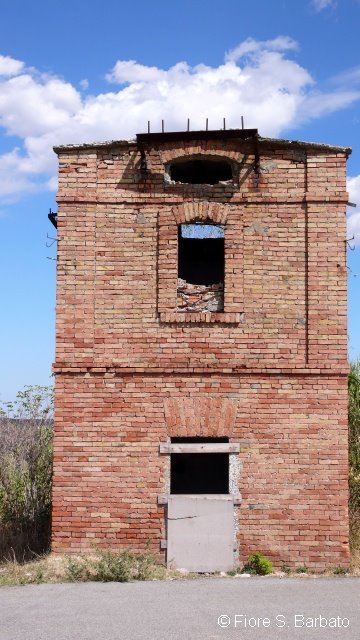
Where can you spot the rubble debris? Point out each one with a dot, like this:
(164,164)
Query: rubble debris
(199,297)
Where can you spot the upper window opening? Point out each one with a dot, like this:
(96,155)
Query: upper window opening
(201,171)
(200,267)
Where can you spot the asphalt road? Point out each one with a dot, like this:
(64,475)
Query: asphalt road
(251,608)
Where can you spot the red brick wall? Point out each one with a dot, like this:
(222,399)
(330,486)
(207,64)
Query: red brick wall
(269,372)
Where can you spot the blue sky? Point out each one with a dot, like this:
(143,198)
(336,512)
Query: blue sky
(86,71)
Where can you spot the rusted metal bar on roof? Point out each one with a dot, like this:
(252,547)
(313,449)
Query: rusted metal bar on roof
(171,136)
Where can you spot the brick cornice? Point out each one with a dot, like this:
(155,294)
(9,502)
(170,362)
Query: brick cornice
(261,371)
(258,198)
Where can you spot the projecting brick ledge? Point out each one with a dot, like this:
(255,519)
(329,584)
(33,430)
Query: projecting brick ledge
(218,318)
(112,370)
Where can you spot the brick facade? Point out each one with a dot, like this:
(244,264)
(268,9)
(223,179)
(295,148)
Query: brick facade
(268,372)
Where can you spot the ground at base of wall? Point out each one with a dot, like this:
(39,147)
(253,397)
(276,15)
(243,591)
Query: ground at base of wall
(107,566)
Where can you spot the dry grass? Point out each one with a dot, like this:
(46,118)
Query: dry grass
(44,569)
(100,566)
(355,563)
(110,566)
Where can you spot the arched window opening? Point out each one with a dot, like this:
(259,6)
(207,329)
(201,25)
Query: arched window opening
(201,171)
(200,267)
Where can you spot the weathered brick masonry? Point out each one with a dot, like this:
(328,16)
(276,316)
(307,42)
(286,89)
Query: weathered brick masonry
(267,372)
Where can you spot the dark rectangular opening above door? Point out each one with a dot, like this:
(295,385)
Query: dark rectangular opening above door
(199,473)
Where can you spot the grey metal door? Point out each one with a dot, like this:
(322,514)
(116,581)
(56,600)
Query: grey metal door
(200,533)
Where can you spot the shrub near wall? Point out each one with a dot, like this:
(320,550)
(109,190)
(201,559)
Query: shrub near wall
(25,473)
(354,453)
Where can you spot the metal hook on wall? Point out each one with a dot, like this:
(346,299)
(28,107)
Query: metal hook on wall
(349,245)
(53,240)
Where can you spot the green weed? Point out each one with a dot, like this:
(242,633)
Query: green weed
(257,564)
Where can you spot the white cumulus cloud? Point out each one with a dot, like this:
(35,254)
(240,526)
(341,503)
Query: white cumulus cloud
(319,5)
(32,106)
(251,46)
(258,80)
(10,66)
(14,183)
(131,71)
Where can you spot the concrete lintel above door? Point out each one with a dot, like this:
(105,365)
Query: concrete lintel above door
(164,499)
(200,447)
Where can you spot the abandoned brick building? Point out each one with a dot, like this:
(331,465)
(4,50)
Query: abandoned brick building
(201,349)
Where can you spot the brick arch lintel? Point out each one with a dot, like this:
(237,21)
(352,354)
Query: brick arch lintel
(200,417)
(201,210)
